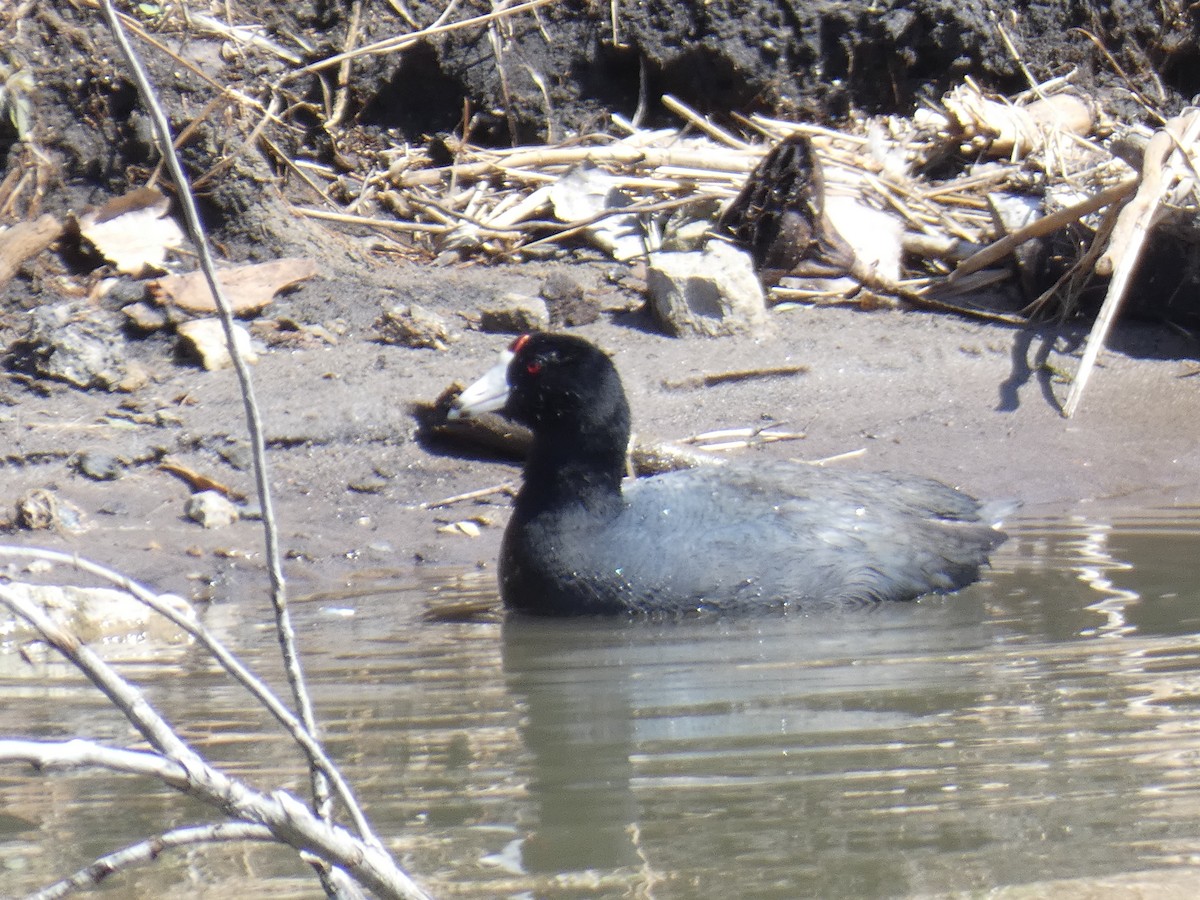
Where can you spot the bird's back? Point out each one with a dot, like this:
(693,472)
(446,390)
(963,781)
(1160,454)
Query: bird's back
(749,535)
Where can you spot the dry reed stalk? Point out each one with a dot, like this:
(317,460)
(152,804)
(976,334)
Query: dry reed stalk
(1168,177)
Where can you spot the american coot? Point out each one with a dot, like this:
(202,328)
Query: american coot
(745,535)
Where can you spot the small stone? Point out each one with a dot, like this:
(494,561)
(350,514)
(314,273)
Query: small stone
(136,378)
(515,314)
(413,326)
(714,292)
(98,615)
(211,510)
(566,301)
(42,510)
(145,317)
(99,466)
(204,339)
(236,453)
(369,484)
(465,527)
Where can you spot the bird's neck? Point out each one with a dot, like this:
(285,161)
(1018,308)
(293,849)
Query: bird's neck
(561,476)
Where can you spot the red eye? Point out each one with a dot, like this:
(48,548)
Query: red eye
(533,367)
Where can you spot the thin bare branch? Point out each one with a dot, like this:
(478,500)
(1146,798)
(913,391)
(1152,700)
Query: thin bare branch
(48,756)
(288,819)
(149,850)
(284,631)
(225,658)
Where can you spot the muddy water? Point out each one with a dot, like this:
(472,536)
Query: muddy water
(1044,724)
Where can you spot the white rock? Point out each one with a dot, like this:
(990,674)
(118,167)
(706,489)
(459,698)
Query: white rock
(211,509)
(585,192)
(874,234)
(515,314)
(205,339)
(711,292)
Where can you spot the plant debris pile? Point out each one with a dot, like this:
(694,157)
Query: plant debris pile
(300,121)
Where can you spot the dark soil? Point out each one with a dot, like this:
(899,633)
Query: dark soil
(973,404)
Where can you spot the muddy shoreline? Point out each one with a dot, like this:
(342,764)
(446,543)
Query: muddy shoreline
(971,403)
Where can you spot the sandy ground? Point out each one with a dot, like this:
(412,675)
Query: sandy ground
(970,403)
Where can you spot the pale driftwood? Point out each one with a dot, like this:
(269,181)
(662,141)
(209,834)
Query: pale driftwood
(945,221)
(536,164)
(726,439)
(1004,129)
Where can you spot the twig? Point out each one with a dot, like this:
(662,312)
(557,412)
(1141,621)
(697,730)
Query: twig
(741,438)
(269,114)
(149,850)
(198,481)
(391,45)
(288,819)
(505,487)
(837,457)
(1078,275)
(708,379)
(132,25)
(713,131)
(1131,85)
(240,34)
(372,221)
(230,663)
(284,631)
(1012,51)
(342,103)
(1043,226)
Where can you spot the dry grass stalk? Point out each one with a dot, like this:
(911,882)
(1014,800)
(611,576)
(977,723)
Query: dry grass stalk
(1168,178)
